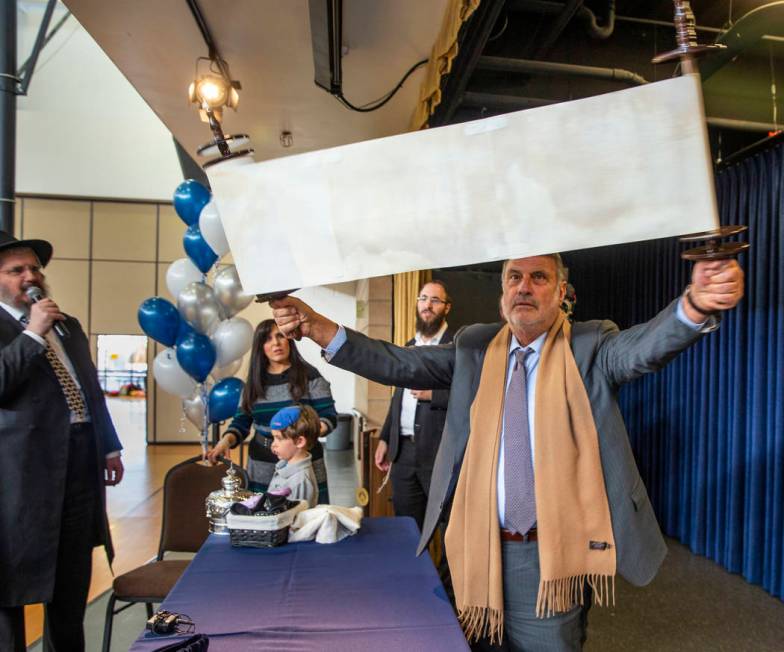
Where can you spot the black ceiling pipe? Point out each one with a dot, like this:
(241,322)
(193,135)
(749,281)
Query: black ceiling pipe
(529,66)
(8,89)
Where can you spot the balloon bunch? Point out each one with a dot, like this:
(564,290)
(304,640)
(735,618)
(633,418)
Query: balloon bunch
(202,334)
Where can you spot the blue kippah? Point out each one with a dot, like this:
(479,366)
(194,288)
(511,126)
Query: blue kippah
(286,417)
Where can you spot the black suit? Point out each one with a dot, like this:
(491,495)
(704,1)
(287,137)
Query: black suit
(413,458)
(52,507)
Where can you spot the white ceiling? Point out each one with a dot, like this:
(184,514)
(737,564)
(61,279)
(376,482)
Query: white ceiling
(267,45)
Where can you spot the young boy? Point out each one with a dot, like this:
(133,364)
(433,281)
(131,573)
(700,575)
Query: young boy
(294,433)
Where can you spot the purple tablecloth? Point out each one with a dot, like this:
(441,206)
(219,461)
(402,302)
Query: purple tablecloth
(368,592)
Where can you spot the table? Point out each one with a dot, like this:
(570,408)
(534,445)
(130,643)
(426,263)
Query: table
(367,592)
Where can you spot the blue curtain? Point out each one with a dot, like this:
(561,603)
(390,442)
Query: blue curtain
(708,430)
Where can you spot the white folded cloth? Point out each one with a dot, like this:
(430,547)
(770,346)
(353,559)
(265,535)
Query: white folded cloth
(325,523)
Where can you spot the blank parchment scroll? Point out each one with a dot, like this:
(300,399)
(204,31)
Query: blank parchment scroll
(621,167)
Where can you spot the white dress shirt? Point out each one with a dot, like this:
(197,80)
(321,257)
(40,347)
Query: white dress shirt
(409,403)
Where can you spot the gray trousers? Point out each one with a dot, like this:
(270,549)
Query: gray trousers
(524,632)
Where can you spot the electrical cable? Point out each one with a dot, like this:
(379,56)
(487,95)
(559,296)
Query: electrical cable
(378,103)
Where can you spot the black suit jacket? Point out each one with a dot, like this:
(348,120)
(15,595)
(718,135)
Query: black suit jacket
(429,421)
(34,433)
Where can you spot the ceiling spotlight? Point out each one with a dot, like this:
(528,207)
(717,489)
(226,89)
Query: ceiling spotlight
(211,93)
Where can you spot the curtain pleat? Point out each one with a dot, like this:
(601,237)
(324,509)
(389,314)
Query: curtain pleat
(405,290)
(708,430)
(442,55)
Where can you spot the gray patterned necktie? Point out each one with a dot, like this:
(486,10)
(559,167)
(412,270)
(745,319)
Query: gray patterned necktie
(73,397)
(520,499)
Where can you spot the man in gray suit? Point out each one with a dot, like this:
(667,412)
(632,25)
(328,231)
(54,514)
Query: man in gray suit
(60,449)
(602,359)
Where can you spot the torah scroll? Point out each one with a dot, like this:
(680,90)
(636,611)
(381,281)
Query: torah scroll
(621,167)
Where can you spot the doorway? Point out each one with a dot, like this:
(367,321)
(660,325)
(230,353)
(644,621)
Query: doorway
(122,373)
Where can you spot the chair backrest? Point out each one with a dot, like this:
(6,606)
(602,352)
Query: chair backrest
(185,488)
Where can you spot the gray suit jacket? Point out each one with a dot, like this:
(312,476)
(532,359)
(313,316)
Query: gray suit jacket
(605,357)
(34,426)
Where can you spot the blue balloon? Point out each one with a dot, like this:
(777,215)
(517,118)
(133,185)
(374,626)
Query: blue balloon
(224,399)
(189,198)
(197,249)
(196,355)
(184,329)
(160,320)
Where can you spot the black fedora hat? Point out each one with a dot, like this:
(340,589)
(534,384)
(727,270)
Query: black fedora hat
(41,248)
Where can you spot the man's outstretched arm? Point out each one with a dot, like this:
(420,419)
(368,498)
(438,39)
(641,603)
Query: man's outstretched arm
(422,367)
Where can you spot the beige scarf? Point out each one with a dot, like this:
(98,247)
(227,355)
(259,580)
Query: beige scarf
(574,529)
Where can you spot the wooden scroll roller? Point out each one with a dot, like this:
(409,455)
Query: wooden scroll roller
(273,296)
(687,51)
(714,249)
(686,36)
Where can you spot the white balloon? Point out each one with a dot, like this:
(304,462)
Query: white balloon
(170,376)
(211,229)
(181,273)
(232,340)
(219,373)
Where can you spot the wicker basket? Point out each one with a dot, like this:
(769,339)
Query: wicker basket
(262,530)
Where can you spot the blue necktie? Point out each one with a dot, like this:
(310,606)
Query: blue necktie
(520,503)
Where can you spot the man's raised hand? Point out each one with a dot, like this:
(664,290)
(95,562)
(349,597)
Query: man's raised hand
(295,317)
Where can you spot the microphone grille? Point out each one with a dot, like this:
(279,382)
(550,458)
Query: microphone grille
(35,293)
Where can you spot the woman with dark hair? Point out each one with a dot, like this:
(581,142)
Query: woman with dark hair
(277,377)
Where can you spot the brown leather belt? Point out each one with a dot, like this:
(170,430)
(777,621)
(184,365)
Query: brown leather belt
(508,535)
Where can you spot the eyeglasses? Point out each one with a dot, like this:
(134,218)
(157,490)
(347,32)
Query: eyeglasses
(423,298)
(21,269)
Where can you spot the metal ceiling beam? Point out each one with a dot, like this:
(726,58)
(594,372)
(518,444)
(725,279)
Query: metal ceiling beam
(565,16)
(40,41)
(474,35)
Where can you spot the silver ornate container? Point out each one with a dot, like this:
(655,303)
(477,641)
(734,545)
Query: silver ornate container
(220,500)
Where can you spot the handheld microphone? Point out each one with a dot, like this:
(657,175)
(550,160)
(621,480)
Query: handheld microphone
(35,294)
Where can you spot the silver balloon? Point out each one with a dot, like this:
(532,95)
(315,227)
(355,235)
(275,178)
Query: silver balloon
(228,291)
(199,307)
(219,373)
(193,407)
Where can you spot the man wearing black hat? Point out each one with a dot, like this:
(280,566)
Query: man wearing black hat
(60,450)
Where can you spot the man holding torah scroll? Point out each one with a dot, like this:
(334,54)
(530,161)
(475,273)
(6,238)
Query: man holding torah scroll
(535,468)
